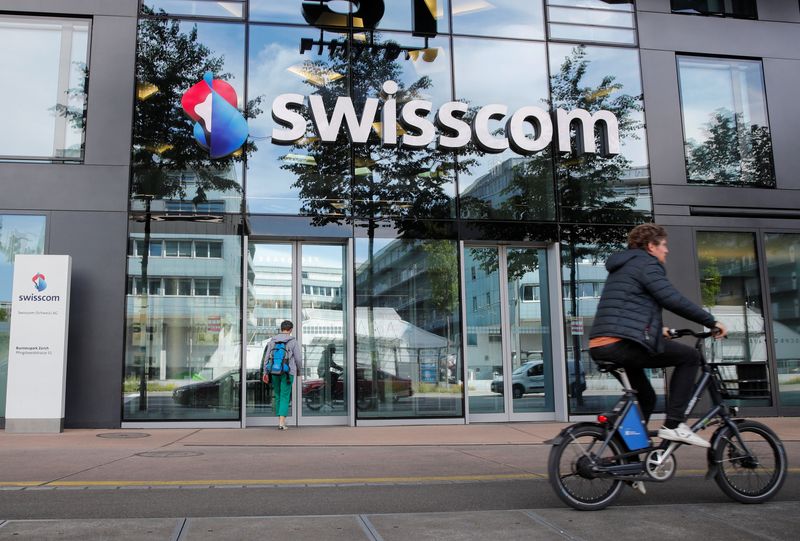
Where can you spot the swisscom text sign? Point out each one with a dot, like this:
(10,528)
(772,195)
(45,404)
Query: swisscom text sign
(454,132)
(37,350)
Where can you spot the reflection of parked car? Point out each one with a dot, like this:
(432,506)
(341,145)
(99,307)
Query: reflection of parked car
(529,378)
(386,386)
(221,391)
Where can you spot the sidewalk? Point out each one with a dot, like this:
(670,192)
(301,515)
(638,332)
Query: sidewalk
(210,457)
(83,476)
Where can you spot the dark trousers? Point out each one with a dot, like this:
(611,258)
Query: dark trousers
(635,358)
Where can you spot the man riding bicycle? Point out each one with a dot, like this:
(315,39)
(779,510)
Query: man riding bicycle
(628,329)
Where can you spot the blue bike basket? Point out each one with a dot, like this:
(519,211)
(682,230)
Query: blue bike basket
(634,431)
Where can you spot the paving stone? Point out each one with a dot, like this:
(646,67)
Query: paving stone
(505,525)
(346,527)
(160,529)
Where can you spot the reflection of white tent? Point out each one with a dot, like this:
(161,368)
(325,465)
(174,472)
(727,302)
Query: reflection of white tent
(745,332)
(390,331)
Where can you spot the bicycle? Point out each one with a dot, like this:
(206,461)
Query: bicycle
(590,462)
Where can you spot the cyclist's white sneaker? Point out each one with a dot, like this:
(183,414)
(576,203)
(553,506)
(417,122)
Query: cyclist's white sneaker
(683,434)
(639,485)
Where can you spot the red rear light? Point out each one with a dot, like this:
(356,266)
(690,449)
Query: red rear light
(602,419)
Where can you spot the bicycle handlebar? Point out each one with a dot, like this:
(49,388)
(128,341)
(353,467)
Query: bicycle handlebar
(678,333)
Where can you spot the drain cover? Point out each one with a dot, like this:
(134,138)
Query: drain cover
(169,454)
(123,435)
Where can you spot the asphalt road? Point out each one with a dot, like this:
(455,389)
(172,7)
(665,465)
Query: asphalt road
(153,502)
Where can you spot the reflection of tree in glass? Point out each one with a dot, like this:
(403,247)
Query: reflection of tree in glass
(733,152)
(710,281)
(388,181)
(442,270)
(166,157)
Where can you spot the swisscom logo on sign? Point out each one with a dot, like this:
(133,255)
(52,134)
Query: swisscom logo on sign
(39,284)
(219,126)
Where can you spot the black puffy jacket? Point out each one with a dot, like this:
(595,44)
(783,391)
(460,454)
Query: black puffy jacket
(635,292)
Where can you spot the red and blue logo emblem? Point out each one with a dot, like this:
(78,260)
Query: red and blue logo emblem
(219,126)
(39,282)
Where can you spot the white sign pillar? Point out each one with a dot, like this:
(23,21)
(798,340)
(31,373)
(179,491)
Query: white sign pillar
(37,349)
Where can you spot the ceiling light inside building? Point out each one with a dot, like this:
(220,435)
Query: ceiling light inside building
(462,7)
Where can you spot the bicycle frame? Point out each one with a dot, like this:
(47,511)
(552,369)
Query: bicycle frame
(708,381)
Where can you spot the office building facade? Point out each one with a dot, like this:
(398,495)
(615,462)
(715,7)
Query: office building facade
(428,189)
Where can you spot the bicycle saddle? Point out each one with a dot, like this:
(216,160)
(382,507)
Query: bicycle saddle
(607,366)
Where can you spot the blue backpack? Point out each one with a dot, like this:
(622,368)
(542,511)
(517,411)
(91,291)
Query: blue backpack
(278,363)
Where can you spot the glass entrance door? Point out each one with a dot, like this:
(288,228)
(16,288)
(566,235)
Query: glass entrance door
(508,348)
(305,283)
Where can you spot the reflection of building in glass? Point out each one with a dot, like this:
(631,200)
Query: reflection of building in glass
(186,326)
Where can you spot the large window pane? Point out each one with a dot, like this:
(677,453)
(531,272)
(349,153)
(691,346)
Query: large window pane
(407,329)
(18,235)
(505,185)
(325,388)
(307,177)
(183,337)
(595,188)
(783,268)
(402,181)
(730,287)
(725,126)
(531,352)
(180,163)
(484,340)
(269,304)
(499,18)
(583,271)
(44,93)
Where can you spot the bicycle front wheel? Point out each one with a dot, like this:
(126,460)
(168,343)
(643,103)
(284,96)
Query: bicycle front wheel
(751,469)
(569,469)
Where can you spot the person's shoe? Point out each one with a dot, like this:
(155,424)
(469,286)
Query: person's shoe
(684,434)
(639,485)
(282,427)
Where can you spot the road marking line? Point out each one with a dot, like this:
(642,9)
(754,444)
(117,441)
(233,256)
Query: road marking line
(308,481)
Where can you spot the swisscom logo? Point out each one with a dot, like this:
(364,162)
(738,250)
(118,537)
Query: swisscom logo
(219,126)
(40,284)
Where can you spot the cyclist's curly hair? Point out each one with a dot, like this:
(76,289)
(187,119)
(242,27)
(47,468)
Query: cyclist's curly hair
(643,234)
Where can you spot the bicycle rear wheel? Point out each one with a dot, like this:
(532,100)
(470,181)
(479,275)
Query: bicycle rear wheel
(569,469)
(752,477)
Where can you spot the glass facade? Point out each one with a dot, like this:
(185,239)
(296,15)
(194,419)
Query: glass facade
(183,339)
(726,129)
(782,266)
(48,77)
(408,355)
(394,140)
(730,287)
(19,235)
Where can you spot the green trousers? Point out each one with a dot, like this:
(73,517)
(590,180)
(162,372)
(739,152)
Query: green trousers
(282,393)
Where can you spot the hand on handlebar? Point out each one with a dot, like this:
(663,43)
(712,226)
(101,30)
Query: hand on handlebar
(719,330)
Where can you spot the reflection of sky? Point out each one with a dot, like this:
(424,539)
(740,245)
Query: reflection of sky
(623,65)
(26,98)
(225,40)
(524,82)
(26,232)
(499,18)
(315,255)
(273,50)
(710,84)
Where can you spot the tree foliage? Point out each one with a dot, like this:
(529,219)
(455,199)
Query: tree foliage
(166,158)
(733,152)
